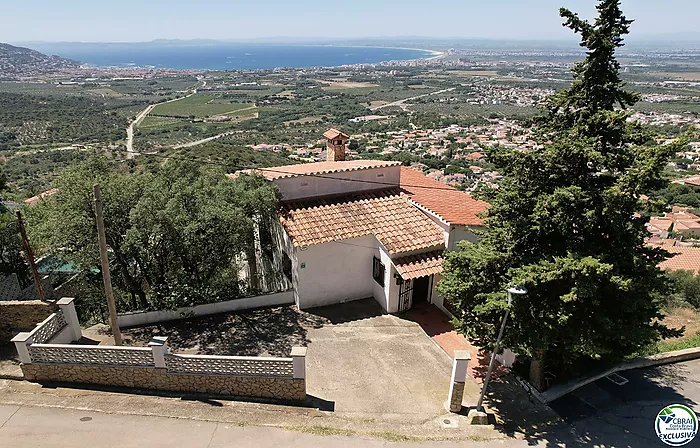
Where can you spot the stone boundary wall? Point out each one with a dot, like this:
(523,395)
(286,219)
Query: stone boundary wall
(150,317)
(46,354)
(19,316)
(154,378)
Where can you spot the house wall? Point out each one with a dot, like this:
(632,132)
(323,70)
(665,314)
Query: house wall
(336,272)
(309,186)
(388,295)
(457,234)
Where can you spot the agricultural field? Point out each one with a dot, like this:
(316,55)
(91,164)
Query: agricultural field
(197,106)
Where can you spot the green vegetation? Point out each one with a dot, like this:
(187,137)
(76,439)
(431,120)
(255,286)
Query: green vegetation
(11,259)
(197,106)
(32,172)
(687,289)
(562,224)
(176,230)
(29,120)
(682,195)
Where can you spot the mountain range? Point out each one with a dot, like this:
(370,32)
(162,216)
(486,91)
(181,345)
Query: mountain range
(21,61)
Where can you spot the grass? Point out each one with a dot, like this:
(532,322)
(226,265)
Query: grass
(200,106)
(676,318)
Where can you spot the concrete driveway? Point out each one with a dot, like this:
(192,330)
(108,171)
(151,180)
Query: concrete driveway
(367,364)
(605,414)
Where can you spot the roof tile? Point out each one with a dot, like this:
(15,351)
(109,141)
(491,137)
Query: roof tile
(454,206)
(398,225)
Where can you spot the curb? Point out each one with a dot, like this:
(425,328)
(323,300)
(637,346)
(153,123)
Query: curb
(638,363)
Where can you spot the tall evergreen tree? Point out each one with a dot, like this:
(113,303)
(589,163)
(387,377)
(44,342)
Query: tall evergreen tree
(567,223)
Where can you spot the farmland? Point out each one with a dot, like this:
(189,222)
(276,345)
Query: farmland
(197,106)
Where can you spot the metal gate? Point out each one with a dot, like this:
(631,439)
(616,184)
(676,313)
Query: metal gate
(405,294)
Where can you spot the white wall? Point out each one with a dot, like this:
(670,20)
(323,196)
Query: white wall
(336,272)
(459,233)
(310,186)
(149,317)
(388,295)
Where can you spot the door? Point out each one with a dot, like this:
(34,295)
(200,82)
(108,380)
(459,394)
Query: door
(405,295)
(421,290)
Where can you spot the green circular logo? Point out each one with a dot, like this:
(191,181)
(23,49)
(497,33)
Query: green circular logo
(676,425)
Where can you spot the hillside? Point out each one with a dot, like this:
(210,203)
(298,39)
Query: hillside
(20,61)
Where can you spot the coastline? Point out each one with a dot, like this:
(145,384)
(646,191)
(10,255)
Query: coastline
(427,55)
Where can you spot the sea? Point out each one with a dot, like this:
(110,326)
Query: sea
(224,56)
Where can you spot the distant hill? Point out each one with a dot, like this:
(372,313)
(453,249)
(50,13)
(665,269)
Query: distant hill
(20,61)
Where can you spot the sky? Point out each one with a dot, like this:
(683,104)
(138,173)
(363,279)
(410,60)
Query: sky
(144,20)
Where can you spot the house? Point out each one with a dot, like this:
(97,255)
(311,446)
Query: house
(366,228)
(679,221)
(685,258)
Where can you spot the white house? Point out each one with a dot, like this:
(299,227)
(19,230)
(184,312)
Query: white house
(366,228)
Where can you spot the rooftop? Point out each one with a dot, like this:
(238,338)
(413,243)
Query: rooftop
(318,168)
(387,215)
(453,206)
(420,265)
(334,133)
(684,258)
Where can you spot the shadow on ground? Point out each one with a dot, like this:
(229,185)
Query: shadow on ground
(600,414)
(262,332)
(346,312)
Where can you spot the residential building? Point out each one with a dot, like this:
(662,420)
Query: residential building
(367,228)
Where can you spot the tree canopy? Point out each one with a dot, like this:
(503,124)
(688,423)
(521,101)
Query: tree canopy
(175,233)
(11,259)
(567,223)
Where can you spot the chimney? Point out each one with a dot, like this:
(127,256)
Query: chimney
(335,145)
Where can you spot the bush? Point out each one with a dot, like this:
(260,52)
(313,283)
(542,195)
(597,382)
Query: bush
(687,286)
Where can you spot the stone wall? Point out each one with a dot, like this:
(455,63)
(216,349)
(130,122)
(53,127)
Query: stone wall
(19,316)
(155,378)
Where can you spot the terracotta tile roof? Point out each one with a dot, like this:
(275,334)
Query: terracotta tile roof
(421,265)
(685,258)
(454,206)
(334,133)
(398,225)
(323,168)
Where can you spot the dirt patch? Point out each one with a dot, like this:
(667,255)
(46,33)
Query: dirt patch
(473,73)
(689,76)
(263,332)
(342,84)
(683,317)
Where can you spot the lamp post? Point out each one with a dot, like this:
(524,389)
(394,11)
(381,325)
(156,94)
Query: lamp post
(515,290)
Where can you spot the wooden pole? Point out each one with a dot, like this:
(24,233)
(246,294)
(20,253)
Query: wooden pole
(104,261)
(30,256)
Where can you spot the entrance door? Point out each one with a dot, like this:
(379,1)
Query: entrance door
(405,294)
(421,290)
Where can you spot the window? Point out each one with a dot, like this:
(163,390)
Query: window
(378,271)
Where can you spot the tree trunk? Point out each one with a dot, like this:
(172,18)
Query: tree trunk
(252,267)
(537,370)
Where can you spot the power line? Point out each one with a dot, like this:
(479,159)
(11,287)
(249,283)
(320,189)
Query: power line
(274,170)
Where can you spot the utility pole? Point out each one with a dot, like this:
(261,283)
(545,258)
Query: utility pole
(30,256)
(104,261)
(515,290)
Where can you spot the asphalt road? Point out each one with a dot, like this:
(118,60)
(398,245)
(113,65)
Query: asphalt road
(605,414)
(24,426)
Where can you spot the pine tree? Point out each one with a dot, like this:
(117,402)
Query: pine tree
(567,223)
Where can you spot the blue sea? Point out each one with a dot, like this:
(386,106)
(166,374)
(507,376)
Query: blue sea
(222,55)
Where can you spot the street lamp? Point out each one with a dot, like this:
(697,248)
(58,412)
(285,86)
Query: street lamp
(515,290)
